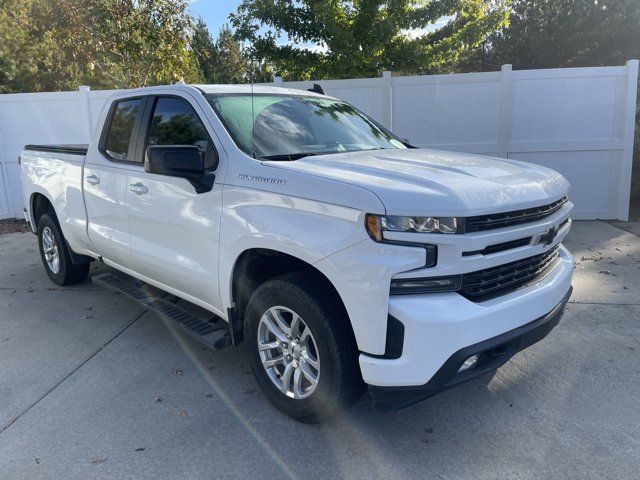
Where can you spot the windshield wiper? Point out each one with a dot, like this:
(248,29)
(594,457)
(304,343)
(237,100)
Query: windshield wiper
(289,156)
(296,156)
(370,149)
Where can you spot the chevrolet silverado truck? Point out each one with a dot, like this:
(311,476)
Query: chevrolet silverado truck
(340,256)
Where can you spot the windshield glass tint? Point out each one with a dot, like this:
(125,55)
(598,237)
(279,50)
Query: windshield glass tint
(290,125)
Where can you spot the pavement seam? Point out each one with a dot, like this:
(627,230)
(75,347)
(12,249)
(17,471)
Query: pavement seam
(84,362)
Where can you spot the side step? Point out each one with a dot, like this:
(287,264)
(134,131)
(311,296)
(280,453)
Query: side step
(214,332)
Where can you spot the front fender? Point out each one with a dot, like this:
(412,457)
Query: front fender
(362,275)
(305,229)
(329,237)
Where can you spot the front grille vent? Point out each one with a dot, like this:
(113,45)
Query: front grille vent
(517,217)
(492,282)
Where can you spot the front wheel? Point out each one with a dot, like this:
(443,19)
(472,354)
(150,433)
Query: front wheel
(301,348)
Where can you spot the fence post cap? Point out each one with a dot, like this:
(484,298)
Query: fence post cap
(84,88)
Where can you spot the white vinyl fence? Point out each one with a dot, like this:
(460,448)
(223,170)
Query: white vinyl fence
(41,118)
(579,121)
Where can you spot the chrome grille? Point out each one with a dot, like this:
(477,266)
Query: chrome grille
(494,281)
(505,219)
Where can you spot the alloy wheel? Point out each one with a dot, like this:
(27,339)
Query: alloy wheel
(50,249)
(288,352)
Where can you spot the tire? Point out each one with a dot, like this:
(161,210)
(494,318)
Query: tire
(55,256)
(329,343)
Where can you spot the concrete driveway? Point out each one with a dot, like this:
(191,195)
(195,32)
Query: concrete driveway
(91,386)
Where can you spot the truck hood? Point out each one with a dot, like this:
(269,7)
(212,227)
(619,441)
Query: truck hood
(431,182)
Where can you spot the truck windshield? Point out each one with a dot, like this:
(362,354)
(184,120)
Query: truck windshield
(288,127)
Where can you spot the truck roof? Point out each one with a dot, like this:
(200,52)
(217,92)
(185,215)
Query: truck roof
(228,89)
(257,88)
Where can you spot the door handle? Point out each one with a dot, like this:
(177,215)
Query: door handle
(138,188)
(93,180)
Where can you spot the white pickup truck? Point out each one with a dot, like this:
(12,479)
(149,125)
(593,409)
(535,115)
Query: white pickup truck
(341,256)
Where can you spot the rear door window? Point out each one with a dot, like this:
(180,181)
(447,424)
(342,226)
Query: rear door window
(118,140)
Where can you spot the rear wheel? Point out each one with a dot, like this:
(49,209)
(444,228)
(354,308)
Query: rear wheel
(55,256)
(301,349)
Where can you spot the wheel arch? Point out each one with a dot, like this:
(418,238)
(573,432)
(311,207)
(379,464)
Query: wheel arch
(40,203)
(254,266)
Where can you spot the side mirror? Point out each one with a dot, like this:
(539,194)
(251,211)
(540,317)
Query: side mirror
(174,160)
(183,161)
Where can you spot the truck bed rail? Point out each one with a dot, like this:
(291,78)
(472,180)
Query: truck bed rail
(71,149)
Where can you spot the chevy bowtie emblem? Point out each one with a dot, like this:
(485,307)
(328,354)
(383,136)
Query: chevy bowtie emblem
(547,237)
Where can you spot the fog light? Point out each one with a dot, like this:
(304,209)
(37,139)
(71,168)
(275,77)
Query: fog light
(469,363)
(425,285)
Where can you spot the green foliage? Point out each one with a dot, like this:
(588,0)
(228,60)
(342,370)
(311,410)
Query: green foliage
(561,33)
(204,51)
(225,60)
(231,64)
(145,42)
(361,38)
(60,44)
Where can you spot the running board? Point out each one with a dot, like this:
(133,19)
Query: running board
(214,332)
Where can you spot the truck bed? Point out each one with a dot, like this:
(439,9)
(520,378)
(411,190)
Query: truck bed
(72,149)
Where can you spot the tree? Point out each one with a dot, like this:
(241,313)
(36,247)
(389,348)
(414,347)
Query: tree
(12,16)
(361,38)
(60,44)
(145,42)
(562,33)
(225,60)
(32,58)
(259,71)
(204,50)
(231,63)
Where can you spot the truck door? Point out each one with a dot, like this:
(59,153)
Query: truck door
(105,181)
(174,230)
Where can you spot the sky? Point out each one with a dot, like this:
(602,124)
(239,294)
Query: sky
(214,12)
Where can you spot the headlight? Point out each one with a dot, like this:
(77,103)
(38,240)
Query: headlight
(377,224)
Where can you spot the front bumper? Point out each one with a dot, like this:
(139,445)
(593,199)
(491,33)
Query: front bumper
(437,325)
(492,353)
